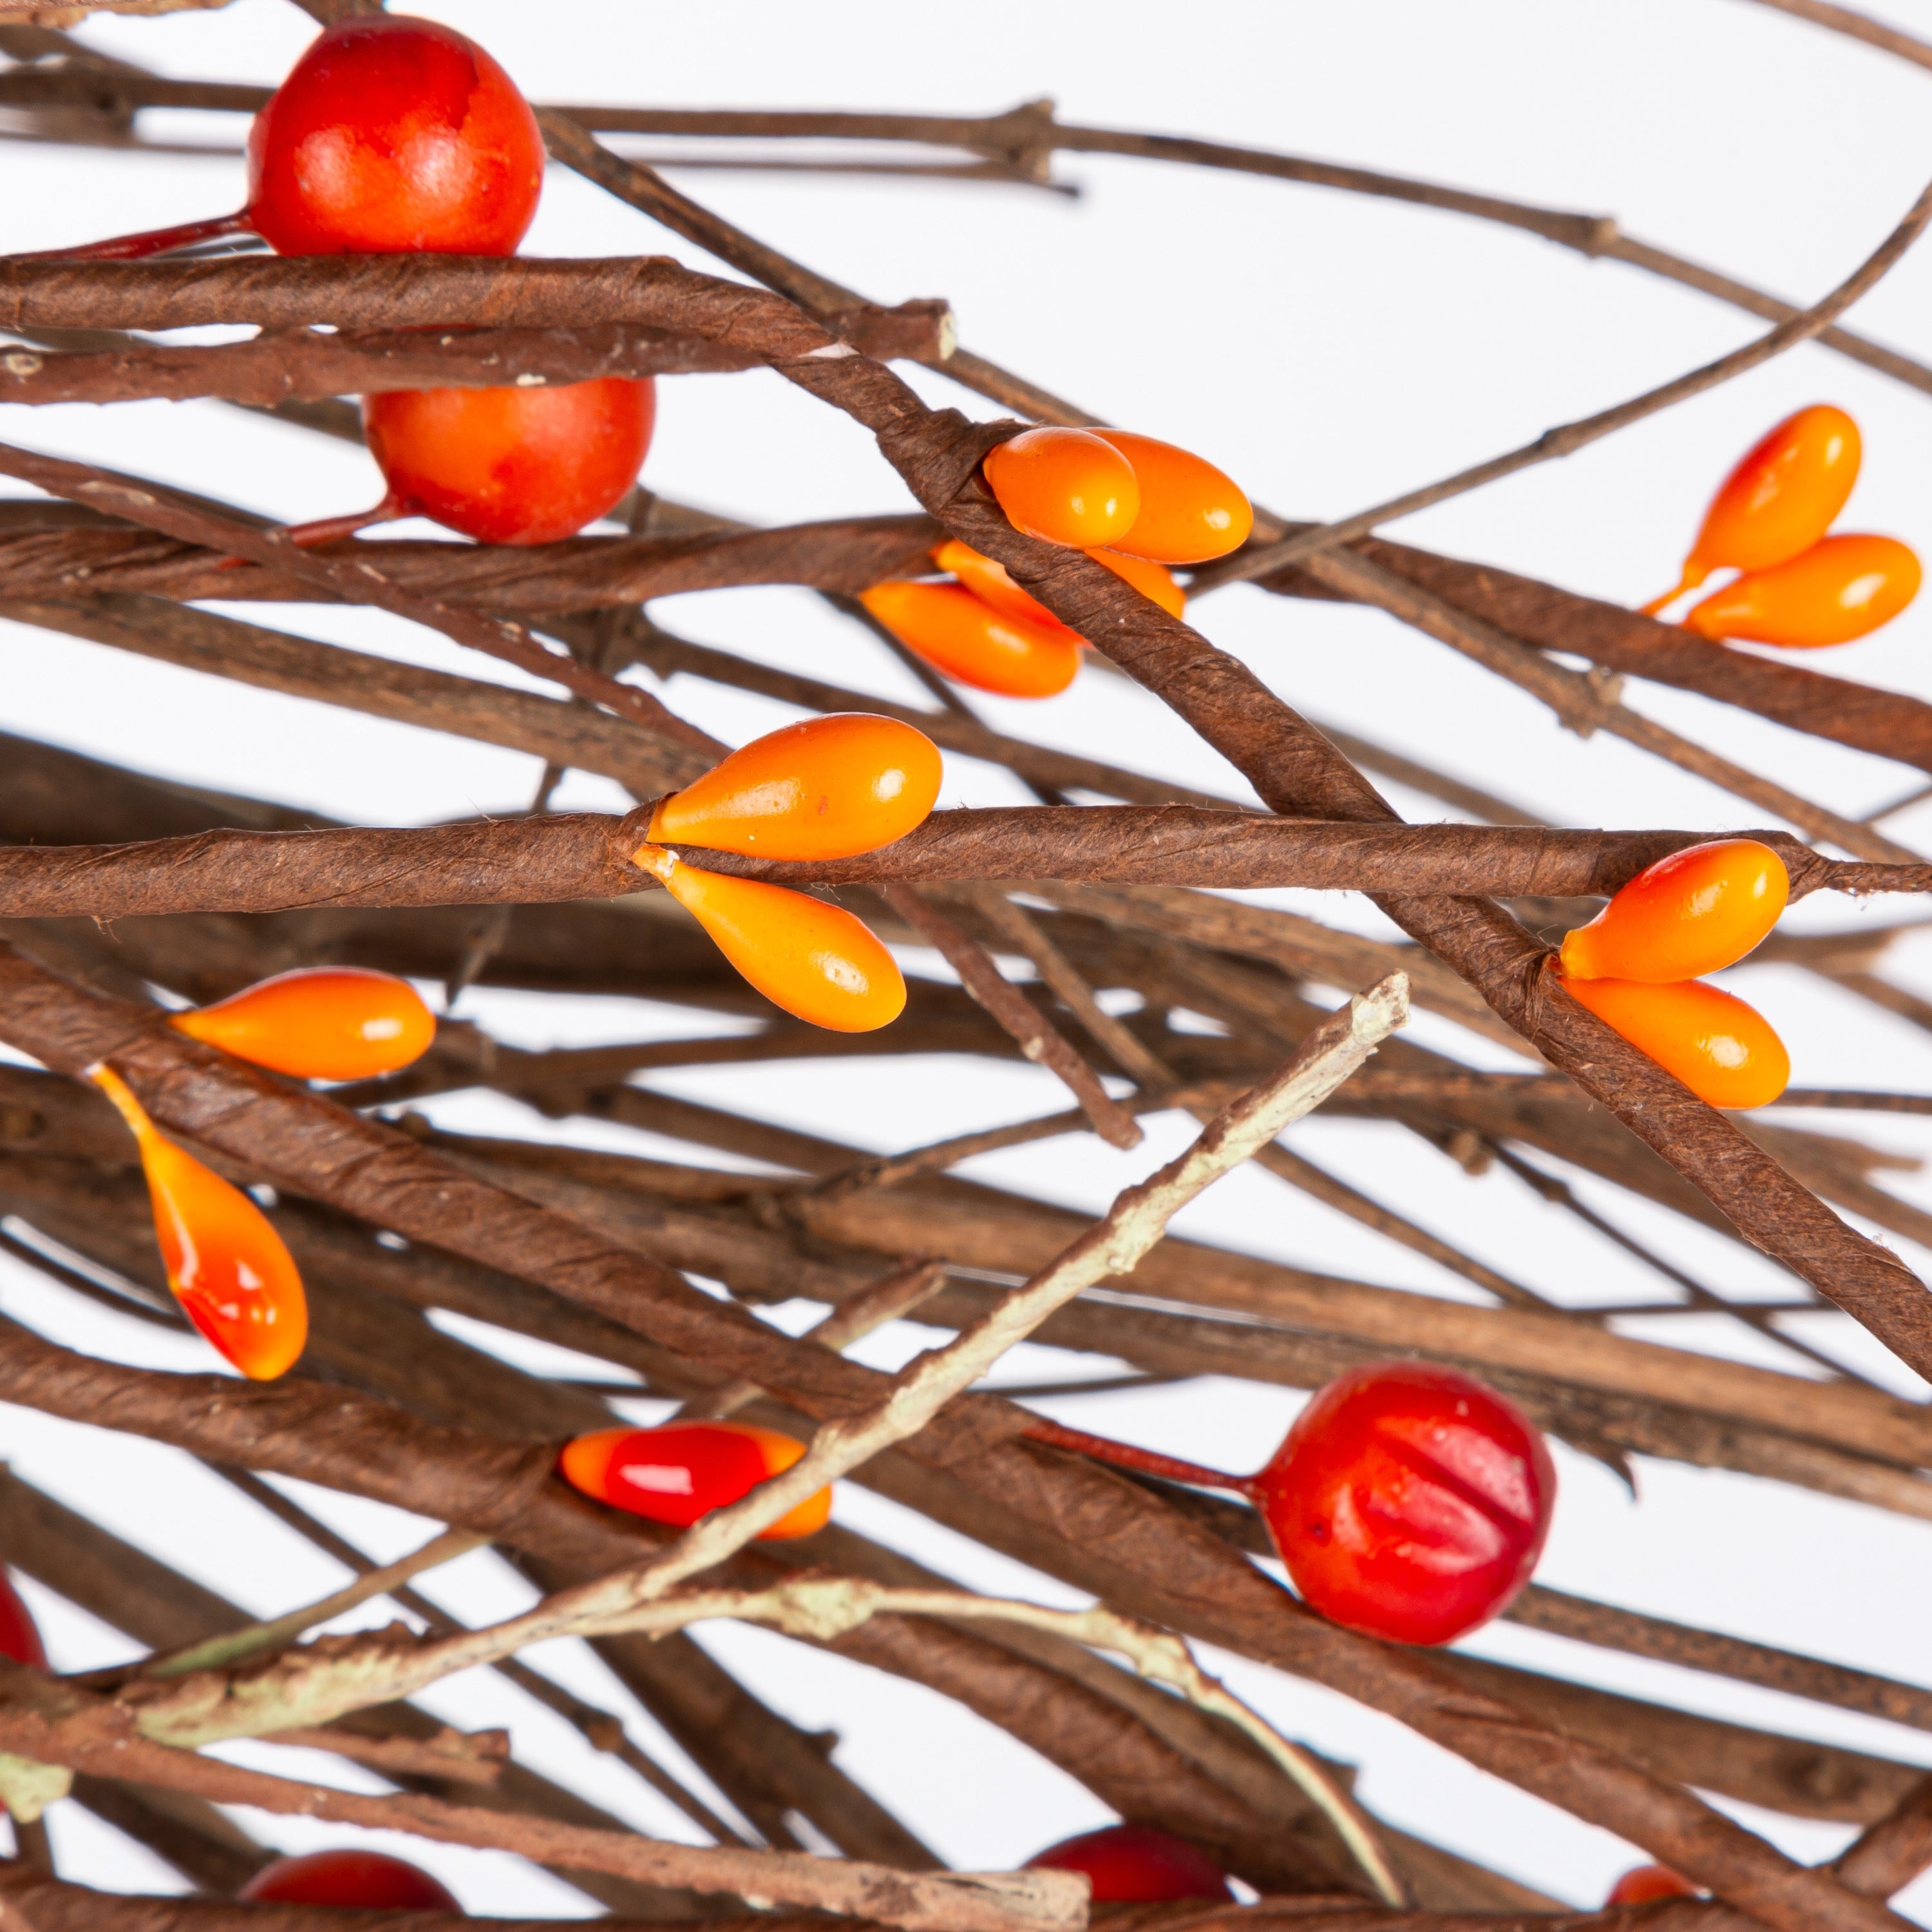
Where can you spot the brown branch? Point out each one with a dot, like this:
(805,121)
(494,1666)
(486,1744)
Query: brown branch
(584,855)
(286,364)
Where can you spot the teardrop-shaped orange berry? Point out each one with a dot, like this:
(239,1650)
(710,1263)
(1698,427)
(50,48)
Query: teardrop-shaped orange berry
(825,788)
(228,1267)
(1725,1052)
(971,642)
(1154,581)
(1779,500)
(684,1470)
(992,584)
(1696,912)
(318,1023)
(1842,588)
(816,960)
(1189,511)
(1065,486)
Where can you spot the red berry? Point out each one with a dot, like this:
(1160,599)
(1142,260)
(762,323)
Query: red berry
(19,1637)
(513,466)
(392,135)
(1647,1884)
(1136,1865)
(1409,1502)
(348,1877)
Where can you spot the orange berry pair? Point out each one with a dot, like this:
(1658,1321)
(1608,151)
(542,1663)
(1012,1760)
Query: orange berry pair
(1636,965)
(676,1474)
(828,788)
(1800,587)
(1110,489)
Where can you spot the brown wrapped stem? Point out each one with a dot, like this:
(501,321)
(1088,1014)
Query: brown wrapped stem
(584,855)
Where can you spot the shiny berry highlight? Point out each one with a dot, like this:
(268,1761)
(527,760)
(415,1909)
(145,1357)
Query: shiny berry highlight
(1190,511)
(1136,1864)
(1064,486)
(1726,1053)
(825,788)
(973,643)
(373,1880)
(318,1023)
(676,1474)
(1779,501)
(511,465)
(1407,1501)
(229,1269)
(815,960)
(1841,589)
(1696,912)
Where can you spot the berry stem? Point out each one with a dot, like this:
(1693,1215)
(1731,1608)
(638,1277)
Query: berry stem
(327,530)
(1146,1462)
(151,242)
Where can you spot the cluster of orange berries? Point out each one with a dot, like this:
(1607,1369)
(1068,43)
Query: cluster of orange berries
(1130,502)
(1799,586)
(1636,966)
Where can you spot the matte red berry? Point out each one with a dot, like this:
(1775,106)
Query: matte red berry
(348,1876)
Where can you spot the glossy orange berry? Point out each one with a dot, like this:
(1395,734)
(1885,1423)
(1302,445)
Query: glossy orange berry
(992,584)
(1779,499)
(511,465)
(825,788)
(318,1023)
(1065,486)
(1842,588)
(1725,1052)
(970,641)
(1696,912)
(1646,1884)
(1154,581)
(816,960)
(684,1470)
(228,1267)
(1189,511)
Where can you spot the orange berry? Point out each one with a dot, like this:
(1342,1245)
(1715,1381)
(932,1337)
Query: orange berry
(991,583)
(817,961)
(1189,511)
(825,788)
(970,641)
(1779,500)
(1647,1884)
(1065,486)
(1154,581)
(685,1470)
(1841,589)
(318,1023)
(228,1267)
(1697,911)
(1726,1052)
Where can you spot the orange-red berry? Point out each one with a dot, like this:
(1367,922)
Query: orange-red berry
(349,1875)
(512,466)
(1840,589)
(1136,1864)
(684,1470)
(1725,1052)
(825,788)
(318,1023)
(1065,486)
(230,1270)
(970,641)
(1646,1884)
(1696,912)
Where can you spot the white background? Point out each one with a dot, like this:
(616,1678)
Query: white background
(1329,352)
